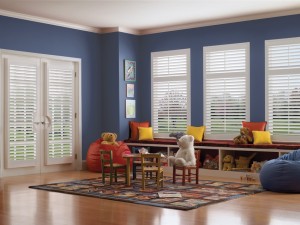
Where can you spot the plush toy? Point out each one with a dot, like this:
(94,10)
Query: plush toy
(228,162)
(176,135)
(244,137)
(185,156)
(210,162)
(109,138)
(243,162)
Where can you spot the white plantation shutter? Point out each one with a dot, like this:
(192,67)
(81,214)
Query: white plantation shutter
(170,91)
(21,82)
(60,112)
(283,88)
(226,80)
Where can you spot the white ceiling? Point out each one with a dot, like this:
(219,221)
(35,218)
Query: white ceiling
(142,15)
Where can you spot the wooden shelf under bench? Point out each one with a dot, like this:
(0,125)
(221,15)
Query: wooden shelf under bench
(220,147)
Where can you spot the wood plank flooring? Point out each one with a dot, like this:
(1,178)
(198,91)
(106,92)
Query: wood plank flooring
(20,205)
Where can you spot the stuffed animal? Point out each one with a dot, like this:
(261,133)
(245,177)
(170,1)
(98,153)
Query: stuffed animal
(176,135)
(256,166)
(244,137)
(228,162)
(210,162)
(243,162)
(109,138)
(185,156)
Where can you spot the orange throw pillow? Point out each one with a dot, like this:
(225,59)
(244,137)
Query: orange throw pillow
(134,131)
(255,126)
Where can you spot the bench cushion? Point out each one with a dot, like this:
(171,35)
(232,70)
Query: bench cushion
(221,143)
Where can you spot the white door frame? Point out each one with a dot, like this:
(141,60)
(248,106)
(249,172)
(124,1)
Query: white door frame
(77,106)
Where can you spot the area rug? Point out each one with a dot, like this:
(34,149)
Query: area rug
(192,195)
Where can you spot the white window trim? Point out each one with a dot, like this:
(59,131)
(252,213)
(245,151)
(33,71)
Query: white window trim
(168,53)
(245,45)
(268,43)
(77,105)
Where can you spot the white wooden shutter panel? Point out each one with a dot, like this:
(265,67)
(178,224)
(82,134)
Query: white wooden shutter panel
(170,91)
(60,112)
(22,76)
(283,86)
(226,70)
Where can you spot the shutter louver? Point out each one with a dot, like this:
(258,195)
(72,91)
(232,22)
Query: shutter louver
(170,85)
(22,104)
(225,85)
(60,101)
(283,87)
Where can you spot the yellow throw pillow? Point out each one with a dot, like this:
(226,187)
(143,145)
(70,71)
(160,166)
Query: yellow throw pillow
(145,133)
(261,137)
(196,132)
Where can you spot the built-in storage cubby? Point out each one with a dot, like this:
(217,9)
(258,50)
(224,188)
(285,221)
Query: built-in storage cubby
(211,158)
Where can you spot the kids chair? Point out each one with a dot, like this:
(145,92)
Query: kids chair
(151,163)
(187,169)
(109,167)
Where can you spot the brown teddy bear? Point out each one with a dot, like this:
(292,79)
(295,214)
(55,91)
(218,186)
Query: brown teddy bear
(228,162)
(244,137)
(109,138)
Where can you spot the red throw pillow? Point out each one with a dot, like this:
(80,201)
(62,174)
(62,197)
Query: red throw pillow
(257,126)
(134,131)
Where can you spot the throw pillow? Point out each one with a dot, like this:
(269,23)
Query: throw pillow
(134,132)
(258,126)
(262,137)
(196,132)
(145,133)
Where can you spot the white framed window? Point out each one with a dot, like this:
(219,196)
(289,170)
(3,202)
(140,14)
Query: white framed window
(170,88)
(282,82)
(226,89)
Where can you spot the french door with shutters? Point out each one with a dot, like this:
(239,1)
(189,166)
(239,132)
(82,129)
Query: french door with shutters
(39,115)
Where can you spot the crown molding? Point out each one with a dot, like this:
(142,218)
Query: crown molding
(48,21)
(119,29)
(221,21)
(149,31)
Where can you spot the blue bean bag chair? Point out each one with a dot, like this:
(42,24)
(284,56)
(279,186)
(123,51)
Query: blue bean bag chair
(282,174)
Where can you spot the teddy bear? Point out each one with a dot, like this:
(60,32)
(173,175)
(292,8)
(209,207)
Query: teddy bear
(228,162)
(185,156)
(109,138)
(244,137)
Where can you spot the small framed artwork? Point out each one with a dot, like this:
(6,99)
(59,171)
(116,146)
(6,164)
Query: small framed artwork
(130,90)
(129,70)
(130,108)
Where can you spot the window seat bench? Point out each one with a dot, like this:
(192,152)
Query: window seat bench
(218,149)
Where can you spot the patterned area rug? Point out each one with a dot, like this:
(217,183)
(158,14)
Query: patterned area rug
(192,195)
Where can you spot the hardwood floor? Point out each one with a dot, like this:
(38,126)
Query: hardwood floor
(20,205)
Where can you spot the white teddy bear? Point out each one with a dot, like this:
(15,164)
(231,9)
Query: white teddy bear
(185,156)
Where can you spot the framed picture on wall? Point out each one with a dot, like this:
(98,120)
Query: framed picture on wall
(130,108)
(129,70)
(130,90)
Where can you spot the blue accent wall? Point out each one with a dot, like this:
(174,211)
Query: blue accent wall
(21,35)
(103,85)
(255,32)
(129,49)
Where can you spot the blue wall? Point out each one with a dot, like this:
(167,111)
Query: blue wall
(103,85)
(129,49)
(255,32)
(21,35)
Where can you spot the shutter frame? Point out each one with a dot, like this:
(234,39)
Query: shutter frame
(170,72)
(232,79)
(282,80)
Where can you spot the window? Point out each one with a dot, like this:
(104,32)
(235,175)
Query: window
(170,91)
(283,88)
(226,89)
